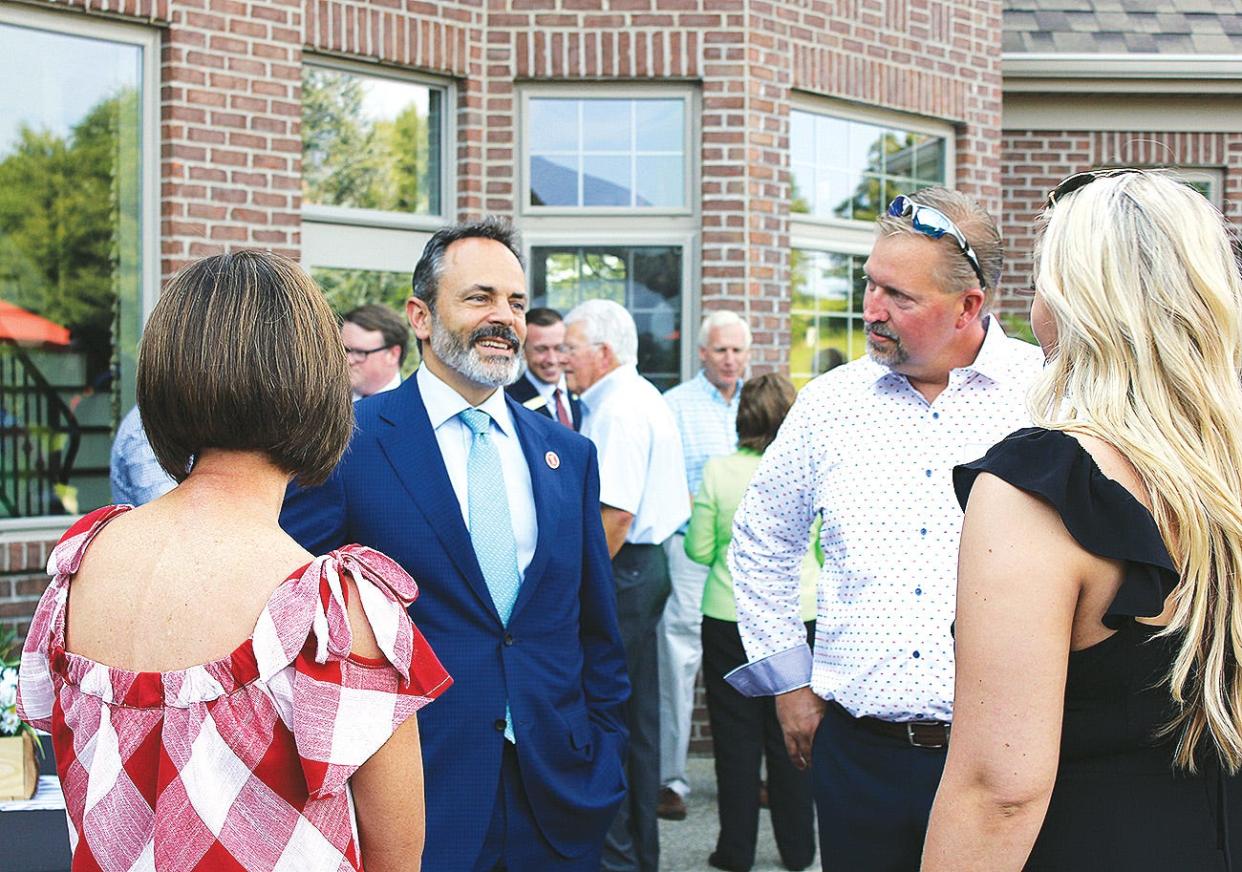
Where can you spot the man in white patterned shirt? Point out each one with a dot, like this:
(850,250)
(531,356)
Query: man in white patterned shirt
(706,411)
(870,447)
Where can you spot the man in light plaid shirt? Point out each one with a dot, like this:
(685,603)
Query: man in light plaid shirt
(136,475)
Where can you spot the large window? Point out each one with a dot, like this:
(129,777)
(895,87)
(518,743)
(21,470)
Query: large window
(375,179)
(370,144)
(606,182)
(845,169)
(646,280)
(76,251)
(605,152)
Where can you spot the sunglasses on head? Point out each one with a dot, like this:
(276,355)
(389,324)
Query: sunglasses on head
(934,223)
(1073,183)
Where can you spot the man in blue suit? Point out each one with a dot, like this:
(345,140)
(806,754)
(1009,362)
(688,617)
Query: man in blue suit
(494,510)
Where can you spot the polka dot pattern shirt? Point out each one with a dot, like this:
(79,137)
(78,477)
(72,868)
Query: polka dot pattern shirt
(865,450)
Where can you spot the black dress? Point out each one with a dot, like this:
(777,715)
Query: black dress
(1117,804)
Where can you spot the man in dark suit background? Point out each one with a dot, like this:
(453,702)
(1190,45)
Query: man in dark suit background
(494,510)
(542,388)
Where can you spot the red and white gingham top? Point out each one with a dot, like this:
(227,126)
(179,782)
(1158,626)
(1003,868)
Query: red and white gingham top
(241,763)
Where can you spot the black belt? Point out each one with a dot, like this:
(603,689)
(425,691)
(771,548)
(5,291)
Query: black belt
(920,734)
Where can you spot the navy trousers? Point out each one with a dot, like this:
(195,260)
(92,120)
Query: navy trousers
(514,842)
(873,794)
(641,575)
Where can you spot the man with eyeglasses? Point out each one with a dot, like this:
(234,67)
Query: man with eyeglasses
(376,340)
(542,388)
(870,448)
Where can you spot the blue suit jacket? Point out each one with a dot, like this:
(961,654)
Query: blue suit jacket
(559,663)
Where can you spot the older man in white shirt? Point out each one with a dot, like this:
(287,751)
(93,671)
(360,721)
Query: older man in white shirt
(870,448)
(642,481)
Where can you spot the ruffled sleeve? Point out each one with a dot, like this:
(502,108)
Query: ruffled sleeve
(345,707)
(1102,516)
(45,641)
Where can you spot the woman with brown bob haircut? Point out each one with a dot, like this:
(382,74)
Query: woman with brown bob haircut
(231,699)
(745,730)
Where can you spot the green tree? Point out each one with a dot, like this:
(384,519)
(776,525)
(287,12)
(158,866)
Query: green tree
(341,160)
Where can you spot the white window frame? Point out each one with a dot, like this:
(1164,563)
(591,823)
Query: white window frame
(686,93)
(72,23)
(557,226)
(379,218)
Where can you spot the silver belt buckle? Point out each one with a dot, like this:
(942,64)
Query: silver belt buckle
(910,725)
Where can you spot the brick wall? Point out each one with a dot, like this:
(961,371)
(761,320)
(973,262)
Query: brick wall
(230,93)
(23,577)
(1033,161)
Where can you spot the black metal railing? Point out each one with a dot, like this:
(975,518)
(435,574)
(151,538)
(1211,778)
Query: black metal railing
(39,438)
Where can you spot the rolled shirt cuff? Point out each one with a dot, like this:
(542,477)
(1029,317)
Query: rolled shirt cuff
(777,673)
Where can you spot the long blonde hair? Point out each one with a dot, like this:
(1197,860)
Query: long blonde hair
(1143,288)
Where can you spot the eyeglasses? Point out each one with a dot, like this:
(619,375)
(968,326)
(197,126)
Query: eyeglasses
(1080,180)
(361,354)
(934,223)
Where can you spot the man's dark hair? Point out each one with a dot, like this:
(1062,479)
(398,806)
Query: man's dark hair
(542,316)
(426,280)
(376,316)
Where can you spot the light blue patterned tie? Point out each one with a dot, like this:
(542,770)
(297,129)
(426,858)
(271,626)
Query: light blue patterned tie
(491,530)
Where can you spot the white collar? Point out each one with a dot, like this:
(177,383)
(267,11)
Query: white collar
(443,403)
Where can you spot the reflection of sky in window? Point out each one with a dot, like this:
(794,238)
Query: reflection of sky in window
(63,76)
(385,99)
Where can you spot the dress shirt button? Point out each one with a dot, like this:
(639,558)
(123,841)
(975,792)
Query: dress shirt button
(923,531)
(916,655)
(918,591)
(927,472)
(936,416)
(499,725)
(508,639)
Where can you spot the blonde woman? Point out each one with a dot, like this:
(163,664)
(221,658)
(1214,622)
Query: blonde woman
(1098,711)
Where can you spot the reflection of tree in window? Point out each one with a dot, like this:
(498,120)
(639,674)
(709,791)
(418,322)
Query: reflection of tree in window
(646,280)
(69,249)
(352,159)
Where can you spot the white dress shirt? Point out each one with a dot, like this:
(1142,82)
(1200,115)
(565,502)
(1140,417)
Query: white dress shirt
(641,468)
(546,390)
(865,450)
(443,406)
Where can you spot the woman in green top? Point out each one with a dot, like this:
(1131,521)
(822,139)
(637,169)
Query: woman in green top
(743,729)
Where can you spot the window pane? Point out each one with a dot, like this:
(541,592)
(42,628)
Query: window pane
(347,289)
(611,153)
(802,188)
(553,125)
(801,137)
(646,280)
(929,166)
(554,180)
(370,142)
(659,181)
(660,125)
(606,125)
(70,264)
(857,167)
(832,195)
(606,181)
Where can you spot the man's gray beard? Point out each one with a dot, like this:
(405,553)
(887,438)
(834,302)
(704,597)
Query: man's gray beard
(895,355)
(466,359)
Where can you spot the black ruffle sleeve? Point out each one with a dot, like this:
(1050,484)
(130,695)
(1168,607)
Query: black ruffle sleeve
(1101,515)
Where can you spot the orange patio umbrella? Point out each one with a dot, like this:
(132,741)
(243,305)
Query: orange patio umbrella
(27,328)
